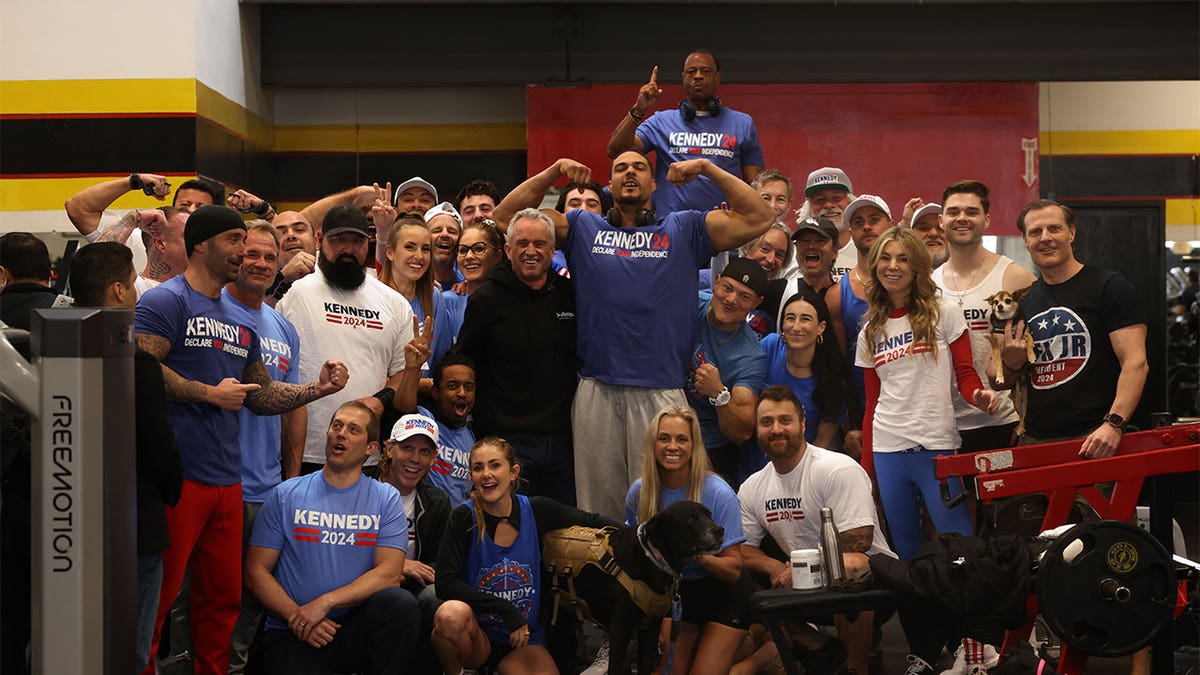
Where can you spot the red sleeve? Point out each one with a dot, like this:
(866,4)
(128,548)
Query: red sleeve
(964,367)
(871,389)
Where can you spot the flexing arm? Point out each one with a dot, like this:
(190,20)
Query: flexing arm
(530,193)
(244,201)
(315,212)
(1129,344)
(748,215)
(273,397)
(85,207)
(624,137)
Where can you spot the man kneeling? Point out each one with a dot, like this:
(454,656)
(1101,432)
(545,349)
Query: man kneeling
(326,558)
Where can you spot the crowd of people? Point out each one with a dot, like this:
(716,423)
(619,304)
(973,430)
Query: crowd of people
(379,403)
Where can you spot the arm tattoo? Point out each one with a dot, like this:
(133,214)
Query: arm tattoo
(857,540)
(177,388)
(275,397)
(120,230)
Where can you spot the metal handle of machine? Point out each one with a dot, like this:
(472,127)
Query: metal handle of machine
(947,499)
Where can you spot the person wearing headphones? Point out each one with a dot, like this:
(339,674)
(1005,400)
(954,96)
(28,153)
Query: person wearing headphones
(699,127)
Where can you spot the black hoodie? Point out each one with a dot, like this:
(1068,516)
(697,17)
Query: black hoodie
(523,343)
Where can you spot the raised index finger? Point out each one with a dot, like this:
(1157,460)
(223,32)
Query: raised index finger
(654,76)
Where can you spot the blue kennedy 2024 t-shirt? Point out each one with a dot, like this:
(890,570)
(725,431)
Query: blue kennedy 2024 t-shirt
(451,473)
(326,536)
(259,434)
(210,341)
(716,494)
(728,140)
(635,290)
(737,357)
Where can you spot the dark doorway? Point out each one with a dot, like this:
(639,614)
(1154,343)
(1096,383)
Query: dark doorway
(1129,237)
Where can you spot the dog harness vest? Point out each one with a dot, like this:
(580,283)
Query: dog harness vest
(566,552)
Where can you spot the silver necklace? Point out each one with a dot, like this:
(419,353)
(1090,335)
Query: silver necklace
(970,284)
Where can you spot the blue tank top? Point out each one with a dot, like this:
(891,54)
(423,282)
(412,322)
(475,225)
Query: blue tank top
(853,309)
(511,572)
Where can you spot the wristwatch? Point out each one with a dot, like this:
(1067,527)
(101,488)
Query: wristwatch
(637,116)
(1115,420)
(721,398)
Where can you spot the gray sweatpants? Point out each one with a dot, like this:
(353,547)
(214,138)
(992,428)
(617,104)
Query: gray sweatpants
(609,423)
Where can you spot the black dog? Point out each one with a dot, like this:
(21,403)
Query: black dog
(652,554)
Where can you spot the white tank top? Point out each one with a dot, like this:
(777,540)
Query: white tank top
(976,312)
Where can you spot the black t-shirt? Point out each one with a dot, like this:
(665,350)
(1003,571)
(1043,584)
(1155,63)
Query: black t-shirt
(1073,379)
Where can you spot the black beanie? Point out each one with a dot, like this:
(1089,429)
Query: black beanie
(207,222)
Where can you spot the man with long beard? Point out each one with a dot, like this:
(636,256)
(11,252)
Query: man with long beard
(340,309)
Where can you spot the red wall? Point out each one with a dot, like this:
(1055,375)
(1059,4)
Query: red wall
(894,140)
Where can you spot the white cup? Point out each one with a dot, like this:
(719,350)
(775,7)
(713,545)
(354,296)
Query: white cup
(806,569)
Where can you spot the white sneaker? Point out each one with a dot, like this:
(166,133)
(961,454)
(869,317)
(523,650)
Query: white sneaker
(984,658)
(600,665)
(917,666)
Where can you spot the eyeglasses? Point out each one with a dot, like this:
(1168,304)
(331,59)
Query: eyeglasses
(478,248)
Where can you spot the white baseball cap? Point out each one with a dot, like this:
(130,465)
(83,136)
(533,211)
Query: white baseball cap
(865,200)
(924,211)
(415,425)
(415,181)
(444,209)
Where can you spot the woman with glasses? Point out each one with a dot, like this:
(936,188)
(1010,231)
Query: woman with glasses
(480,248)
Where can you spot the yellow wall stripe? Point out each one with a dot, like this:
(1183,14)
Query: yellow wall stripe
(48,194)
(1164,142)
(401,138)
(214,106)
(1183,211)
(49,97)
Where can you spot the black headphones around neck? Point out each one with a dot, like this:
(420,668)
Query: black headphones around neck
(688,111)
(644,217)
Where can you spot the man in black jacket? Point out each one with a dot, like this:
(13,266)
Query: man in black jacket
(519,328)
(25,279)
(102,275)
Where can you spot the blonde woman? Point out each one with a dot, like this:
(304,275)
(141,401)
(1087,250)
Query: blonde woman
(714,594)
(912,349)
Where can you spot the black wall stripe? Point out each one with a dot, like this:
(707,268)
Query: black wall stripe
(233,160)
(1116,176)
(304,177)
(98,145)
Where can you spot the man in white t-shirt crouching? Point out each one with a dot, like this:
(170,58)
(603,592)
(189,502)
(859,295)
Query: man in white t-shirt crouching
(784,500)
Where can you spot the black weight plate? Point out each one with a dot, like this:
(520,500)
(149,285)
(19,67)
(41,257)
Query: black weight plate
(1070,595)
